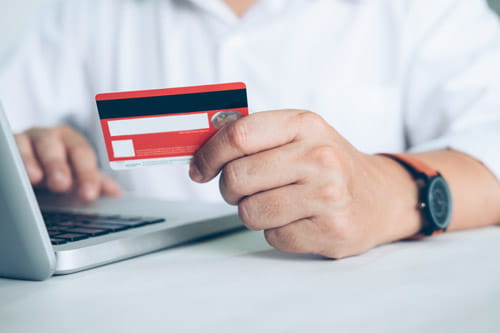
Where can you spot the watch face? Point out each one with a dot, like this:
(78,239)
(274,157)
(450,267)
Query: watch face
(439,203)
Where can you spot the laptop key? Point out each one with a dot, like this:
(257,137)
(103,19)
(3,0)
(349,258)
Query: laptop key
(58,241)
(55,220)
(56,228)
(112,227)
(66,223)
(109,217)
(89,231)
(153,220)
(73,236)
(135,222)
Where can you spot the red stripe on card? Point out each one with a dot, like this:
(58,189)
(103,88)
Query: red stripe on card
(170,91)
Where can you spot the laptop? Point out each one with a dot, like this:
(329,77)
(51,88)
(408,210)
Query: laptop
(43,234)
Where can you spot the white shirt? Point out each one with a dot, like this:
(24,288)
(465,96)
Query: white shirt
(389,75)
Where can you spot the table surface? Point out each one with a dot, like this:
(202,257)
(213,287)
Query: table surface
(237,283)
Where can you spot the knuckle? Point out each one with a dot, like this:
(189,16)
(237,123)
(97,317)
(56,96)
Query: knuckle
(341,240)
(21,136)
(244,214)
(46,139)
(51,164)
(231,177)
(202,162)
(33,131)
(64,130)
(272,237)
(48,133)
(247,214)
(311,120)
(260,212)
(80,151)
(23,143)
(325,156)
(331,193)
(336,252)
(283,239)
(237,135)
(340,230)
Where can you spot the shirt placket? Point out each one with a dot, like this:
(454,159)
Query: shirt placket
(237,41)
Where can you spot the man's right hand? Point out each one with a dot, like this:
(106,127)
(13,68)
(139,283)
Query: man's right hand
(62,160)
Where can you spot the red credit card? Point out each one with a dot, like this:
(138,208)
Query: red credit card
(164,126)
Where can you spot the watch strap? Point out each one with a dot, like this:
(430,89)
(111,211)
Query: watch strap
(417,169)
(413,165)
(421,235)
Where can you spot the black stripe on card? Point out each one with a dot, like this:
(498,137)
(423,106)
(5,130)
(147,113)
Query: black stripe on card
(170,104)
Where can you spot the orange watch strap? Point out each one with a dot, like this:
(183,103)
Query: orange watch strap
(414,164)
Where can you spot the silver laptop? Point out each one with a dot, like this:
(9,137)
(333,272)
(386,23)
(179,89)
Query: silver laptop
(44,234)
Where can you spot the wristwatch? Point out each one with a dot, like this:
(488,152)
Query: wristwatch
(435,199)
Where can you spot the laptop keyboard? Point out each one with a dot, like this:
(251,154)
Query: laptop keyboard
(64,227)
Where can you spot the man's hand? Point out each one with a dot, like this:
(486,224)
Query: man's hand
(61,159)
(295,177)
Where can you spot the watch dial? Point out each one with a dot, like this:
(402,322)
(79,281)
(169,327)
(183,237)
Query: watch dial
(440,202)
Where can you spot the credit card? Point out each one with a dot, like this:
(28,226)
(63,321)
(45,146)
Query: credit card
(165,126)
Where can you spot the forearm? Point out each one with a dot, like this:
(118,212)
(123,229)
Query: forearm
(475,190)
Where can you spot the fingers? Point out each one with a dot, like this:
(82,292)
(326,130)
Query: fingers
(278,207)
(33,169)
(296,219)
(51,154)
(303,236)
(84,164)
(110,187)
(257,132)
(63,159)
(263,171)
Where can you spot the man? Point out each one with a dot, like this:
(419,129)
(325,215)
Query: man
(343,80)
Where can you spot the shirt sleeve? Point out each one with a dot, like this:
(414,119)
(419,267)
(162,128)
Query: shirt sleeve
(43,80)
(452,97)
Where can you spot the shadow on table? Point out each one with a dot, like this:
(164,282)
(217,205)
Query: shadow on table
(277,255)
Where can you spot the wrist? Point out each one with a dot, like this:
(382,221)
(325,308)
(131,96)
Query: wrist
(401,218)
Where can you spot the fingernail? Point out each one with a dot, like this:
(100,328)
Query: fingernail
(89,191)
(195,173)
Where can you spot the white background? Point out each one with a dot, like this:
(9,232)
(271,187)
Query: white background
(14,16)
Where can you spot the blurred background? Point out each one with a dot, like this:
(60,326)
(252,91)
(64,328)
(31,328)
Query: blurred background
(15,14)
(495,4)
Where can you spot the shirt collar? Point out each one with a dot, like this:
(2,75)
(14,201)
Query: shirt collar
(220,9)
(217,8)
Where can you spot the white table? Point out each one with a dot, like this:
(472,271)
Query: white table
(237,283)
